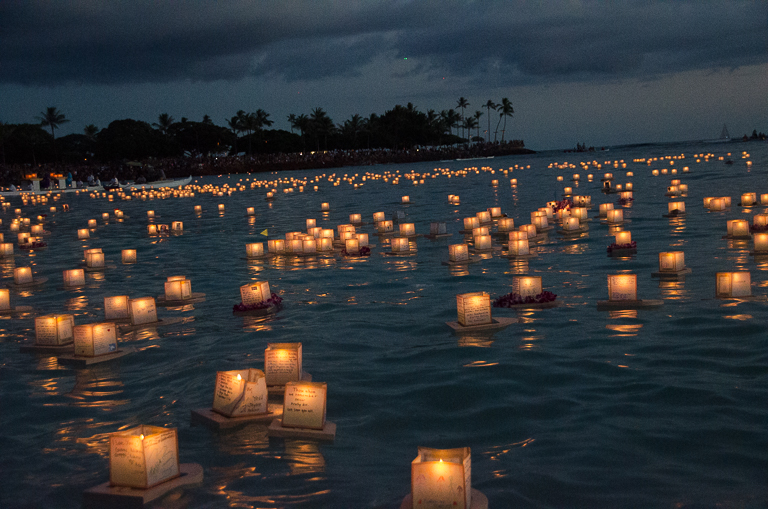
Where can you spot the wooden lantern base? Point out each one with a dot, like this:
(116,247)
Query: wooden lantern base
(16,310)
(258,312)
(479,501)
(123,328)
(459,264)
(498,324)
(195,297)
(280,389)
(533,305)
(385,234)
(484,251)
(47,349)
(98,269)
(745,297)
(438,236)
(208,417)
(573,233)
(412,252)
(506,254)
(105,496)
(670,274)
(80,361)
(35,282)
(276,429)
(672,216)
(629,304)
(261,257)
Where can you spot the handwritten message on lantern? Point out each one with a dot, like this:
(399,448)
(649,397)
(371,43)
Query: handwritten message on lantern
(304,405)
(442,478)
(240,393)
(282,363)
(143,457)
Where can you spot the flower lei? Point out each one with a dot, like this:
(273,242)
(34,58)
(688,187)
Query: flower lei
(513,299)
(562,204)
(364,251)
(33,245)
(275,300)
(631,245)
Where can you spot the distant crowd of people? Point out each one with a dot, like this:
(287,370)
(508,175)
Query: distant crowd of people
(85,174)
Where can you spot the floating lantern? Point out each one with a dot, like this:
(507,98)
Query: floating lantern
(150,214)
(733,284)
(105,216)
(738,228)
(400,245)
(615,216)
(311,223)
(94,339)
(240,392)
(315,232)
(474,308)
(362,238)
(760,241)
(326,233)
(437,228)
(442,478)
(540,222)
(37,229)
(626,195)
(294,246)
(483,217)
(748,199)
(6,249)
(672,191)
(607,176)
(23,238)
(407,229)
(5,299)
(83,233)
(576,176)
(671,261)
(494,183)
(398,215)
(198,209)
(92,223)
(764,199)
(471,223)
(495,212)
(304,405)
(385,226)
(178,288)
(177,227)
(352,246)
(379,216)
(568,191)
(94,259)
(129,256)
(73,277)
(221,207)
(152,229)
(559,178)
(760,221)
(325,207)
(529,229)
(518,247)
(250,211)
(563,213)
(580,213)
(283,363)
(458,252)
(683,189)
(355,218)
(628,186)
(717,204)
(571,224)
(14,226)
(513,182)
(405,199)
(143,457)
(254,249)
(22,275)
(622,287)
(325,244)
(482,242)
(276,246)
(676,207)
(727,200)
(623,237)
(604,208)
(116,307)
(527,286)
(481,230)
(142,310)
(506,224)
(309,245)
(255,293)
(54,330)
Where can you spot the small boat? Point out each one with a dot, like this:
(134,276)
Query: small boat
(724,136)
(101,189)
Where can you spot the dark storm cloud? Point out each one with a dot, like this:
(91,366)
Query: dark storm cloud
(50,43)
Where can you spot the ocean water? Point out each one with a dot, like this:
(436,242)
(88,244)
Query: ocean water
(569,407)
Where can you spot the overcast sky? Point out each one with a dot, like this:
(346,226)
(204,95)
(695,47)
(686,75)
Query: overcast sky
(598,72)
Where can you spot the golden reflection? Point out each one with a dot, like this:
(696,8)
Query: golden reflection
(257,323)
(402,265)
(742,318)
(576,248)
(304,457)
(49,364)
(476,339)
(622,313)
(626,330)
(186,307)
(673,290)
(761,261)
(97,387)
(517,267)
(76,303)
(459,270)
(96,275)
(677,224)
(249,440)
(143,334)
(480,364)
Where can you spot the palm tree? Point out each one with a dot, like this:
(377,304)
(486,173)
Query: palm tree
(462,103)
(352,127)
(164,122)
(321,125)
(52,118)
(469,123)
(236,127)
(490,105)
(90,132)
(301,123)
(207,120)
(506,111)
(478,114)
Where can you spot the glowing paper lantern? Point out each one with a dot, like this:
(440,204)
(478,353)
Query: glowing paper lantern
(352,246)
(387,226)
(458,252)
(92,223)
(129,256)
(178,288)
(54,330)
(483,216)
(604,208)
(407,229)
(760,241)
(74,277)
(529,229)
(221,207)
(311,223)
(198,209)
(738,228)
(506,224)
(282,363)
(150,213)
(615,216)
(152,229)
(733,284)
(250,211)
(405,199)
(400,245)
(22,275)
(495,212)
(325,206)
(571,224)
(481,230)
(94,260)
(527,286)
(254,249)
(482,242)
(325,244)
(94,339)
(470,223)
(760,220)
(276,246)
(116,307)
(304,405)
(142,310)
(442,478)
(717,204)
(255,293)
(748,199)
(580,213)
(437,228)
(622,287)
(676,207)
(83,233)
(177,226)
(240,392)
(474,308)
(355,218)
(568,191)
(6,249)
(379,216)
(5,299)
(518,247)
(764,199)
(143,457)
(623,237)
(671,261)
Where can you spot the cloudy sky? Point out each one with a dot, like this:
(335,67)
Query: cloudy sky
(599,72)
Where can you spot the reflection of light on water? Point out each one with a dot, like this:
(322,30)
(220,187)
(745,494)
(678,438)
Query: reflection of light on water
(97,388)
(626,330)
(304,457)
(762,264)
(738,317)
(622,313)
(257,323)
(517,267)
(480,364)
(677,224)
(186,307)
(673,290)
(144,334)
(49,364)
(476,340)
(575,248)
(458,270)
(497,453)
(401,265)
(76,303)
(97,275)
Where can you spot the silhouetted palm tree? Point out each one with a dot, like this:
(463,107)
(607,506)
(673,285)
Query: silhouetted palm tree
(462,103)
(236,127)
(90,132)
(506,111)
(478,114)
(207,120)
(52,118)
(164,122)
(321,125)
(469,123)
(490,105)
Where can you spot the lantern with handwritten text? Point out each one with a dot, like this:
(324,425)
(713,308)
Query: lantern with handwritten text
(400,245)
(442,478)
(116,307)
(94,339)
(387,226)
(733,284)
(282,363)
(23,275)
(142,310)
(54,330)
(615,216)
(178,288)
(240,392)
(73,277)
(473,308)
(304,405)
(458,252)
(527,286)
(738,228)
(506,224)
(143,456)
(622,287)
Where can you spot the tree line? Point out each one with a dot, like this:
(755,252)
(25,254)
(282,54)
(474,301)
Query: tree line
(400,128)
